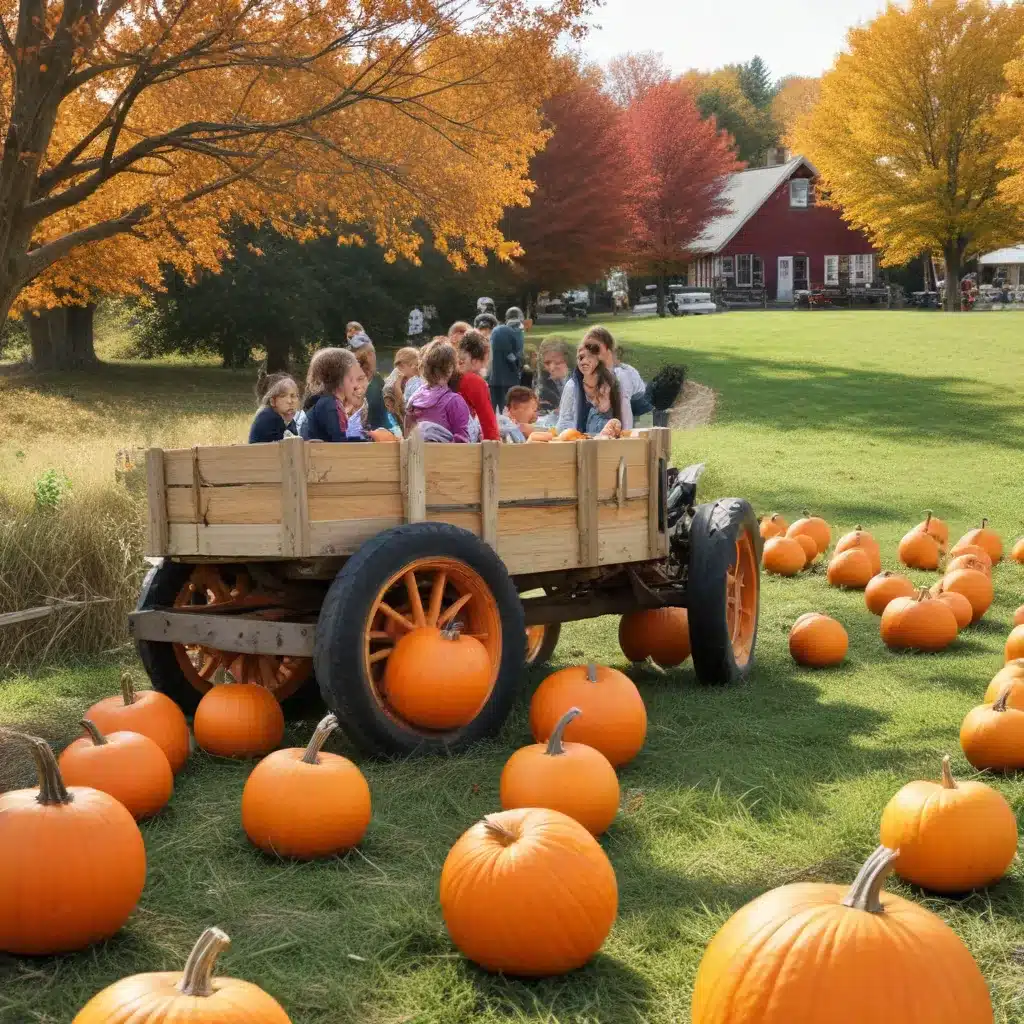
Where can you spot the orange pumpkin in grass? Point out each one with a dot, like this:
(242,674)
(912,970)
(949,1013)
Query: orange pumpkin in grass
(783,556)
(886,587)
(919,550)
(961,549)
(987,539)
(1014,644)
(239,720)
(661,634)
(960,605)
(810,548)
(815,527)
(773,526)
(1010,676)
(851,569)
(862,540)
(992,735)
(936,528)
(1018,616)
(974,585)
(1017,554)
(970,562)
(918,623)
(818,641)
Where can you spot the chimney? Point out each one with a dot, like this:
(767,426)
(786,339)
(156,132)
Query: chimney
(776,156)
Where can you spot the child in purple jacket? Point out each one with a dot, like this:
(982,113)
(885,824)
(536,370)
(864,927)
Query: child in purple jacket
(435,402)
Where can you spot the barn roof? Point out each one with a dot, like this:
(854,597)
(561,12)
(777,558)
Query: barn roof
(746,192)
(1013,254)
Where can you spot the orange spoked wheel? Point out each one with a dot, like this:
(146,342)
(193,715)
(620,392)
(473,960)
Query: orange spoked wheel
(742,585)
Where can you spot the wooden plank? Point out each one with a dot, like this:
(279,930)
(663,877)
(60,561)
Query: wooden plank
(415,478)
(490,488)
(228,540)
(357,464)
(31,614)
(653,498)
(227,464)
(345,536)
(664,441)
(622,533)
(453,473)
(537,471)
(294,502)
(245,504)
(334,502)
(538,539)
(610,454)
(224,633)
(586,500)
(156,490)
(621,483)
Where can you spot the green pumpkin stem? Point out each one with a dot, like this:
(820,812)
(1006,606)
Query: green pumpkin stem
(197,977)
(92,729)
(948,782)
(555,747)
(127,688)
(591,672)
(324,728)
(51,785)
(866,891)
(498,831)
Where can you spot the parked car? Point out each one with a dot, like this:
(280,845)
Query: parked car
(694,303)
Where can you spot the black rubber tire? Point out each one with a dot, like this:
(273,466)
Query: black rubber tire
(552,632)
(340,631)
(715,529)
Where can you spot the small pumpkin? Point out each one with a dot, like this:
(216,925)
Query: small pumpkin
(974,585)
(886,587)
(571,434)
(568,777)
(773,526)
(918,623)
(1018,616)
(851,569)
(240,720)
(961,607)
(528,892)
(804,952)
(128,766)
(538,436)
(438,678)
(818,641)
(862,540)
(150,712)
(661,634)
(383,435)
(1017,554)
(992,735)
(810,548)
(614,718)
(783,556)
(304,802)
(191,996)
(919,550)
(936,528)
(72,862)
(970,562)
(952,837)
(1010,678)
(962,549)
(1014,644)
(815,527)
(987,539)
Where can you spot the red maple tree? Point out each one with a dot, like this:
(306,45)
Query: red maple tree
(679,165)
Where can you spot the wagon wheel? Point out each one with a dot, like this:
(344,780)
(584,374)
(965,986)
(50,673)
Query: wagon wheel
(541,642)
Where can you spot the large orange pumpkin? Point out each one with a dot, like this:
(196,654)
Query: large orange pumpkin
(528,892)
(783,556)
(987,539)
(817,641)
(807,953)
(886,587)
(919,623)
(661,634)
(72,862)
(862,540)
(919,550)
(935,527)
(1011,679)
(240,720)
(773,526)
(816,528)
(810,548)
(851,569)
(128,766)
(951,837)
(191,996)
(1017,554)
(1014,648)
(974,585)
(568,777)
(962,549)
(438,678)
(992,735)
(305,803)
(614,718)
(152,713)
(960,606)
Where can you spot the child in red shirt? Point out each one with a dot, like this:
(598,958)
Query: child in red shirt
(472,387)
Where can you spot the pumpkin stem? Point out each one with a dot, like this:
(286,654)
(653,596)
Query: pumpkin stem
(948,782)
(924,594)
(451,631)
(555,747)
(858,528)
(127,688)
(324,728)
(1000,701)
(197,977)
(51,785)
(498,831)
(928,519)
(94,733)
(984,522)
(591,672)
(865,893)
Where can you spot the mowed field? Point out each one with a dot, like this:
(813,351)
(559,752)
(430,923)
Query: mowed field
(865,418)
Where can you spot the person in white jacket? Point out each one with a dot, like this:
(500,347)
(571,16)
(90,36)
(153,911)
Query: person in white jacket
(572,410)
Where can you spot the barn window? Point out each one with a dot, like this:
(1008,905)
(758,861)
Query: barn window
(728,267)
(799,192)
(744,271)
(758,272)
(832,270)
(862,269)
(801,266)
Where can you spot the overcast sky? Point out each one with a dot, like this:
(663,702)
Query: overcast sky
(795,37)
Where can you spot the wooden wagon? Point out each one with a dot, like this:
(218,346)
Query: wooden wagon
(288,562)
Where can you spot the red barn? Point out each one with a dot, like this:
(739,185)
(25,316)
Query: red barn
(775,240)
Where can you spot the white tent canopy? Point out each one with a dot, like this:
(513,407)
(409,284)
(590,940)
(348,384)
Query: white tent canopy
(1004,257)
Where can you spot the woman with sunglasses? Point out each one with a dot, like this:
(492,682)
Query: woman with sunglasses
(590,394)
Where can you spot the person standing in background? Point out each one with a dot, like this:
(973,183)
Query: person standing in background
(507,346)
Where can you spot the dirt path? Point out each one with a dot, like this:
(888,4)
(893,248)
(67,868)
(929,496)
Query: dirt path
(695,407)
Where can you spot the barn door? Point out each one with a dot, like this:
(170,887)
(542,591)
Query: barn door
(784,292)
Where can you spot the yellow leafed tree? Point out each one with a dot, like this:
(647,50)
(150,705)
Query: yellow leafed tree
(906,136)
(796,96)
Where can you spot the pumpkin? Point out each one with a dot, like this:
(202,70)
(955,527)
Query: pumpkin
(992,735)
(970,562)
(438,678)
(611,430)
(191,996)
(528,892)
(1018,616)
(817,641)
(961,549)
(568,777)
(1010,678)
(815,953)
(936,528)
(571,434)
(851,569)
(662,634)
(783,556)
(886,587)
(383,434)
(72,862)
(987,539)
(861,539)
(919,550)
(240,720)
(962,610)
(952,837)
(974,585)
(152,713)
(128,766)
(773,526)
(539,436)
(1017,554)
(810,548)
(815,527)
(920,623)
(614,718)
(1015,644)
(305,803)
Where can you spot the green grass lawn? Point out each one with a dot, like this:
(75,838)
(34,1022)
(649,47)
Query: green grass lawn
(862,417)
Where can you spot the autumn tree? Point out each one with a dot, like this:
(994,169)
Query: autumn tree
(133,132)
(632,75)
(794,98)
(723,95)
(906,137)
(679,165)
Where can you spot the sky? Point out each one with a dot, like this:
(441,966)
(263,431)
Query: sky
(795,37)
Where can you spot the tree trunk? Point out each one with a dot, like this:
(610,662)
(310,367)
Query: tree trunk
(661,294)
(62,338)
(277,355)
(953,254)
